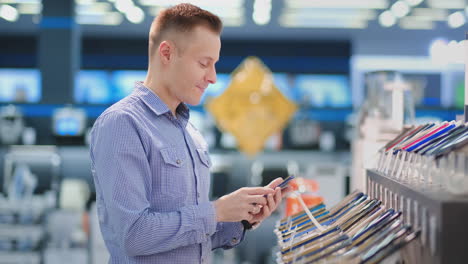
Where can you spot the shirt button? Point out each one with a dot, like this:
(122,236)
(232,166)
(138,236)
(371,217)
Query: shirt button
(178,161)
(207,235)
(198,195)
(234,240)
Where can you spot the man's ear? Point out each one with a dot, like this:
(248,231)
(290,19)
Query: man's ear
(166,50)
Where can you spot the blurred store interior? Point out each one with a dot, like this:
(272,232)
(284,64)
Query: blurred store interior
(62,63)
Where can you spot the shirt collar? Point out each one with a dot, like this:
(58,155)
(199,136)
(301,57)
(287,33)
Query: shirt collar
(157,105)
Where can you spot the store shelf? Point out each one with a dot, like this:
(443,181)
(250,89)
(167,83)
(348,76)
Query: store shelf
(441,216)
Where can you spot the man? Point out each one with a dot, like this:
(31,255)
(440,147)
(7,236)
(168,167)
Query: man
(151,166)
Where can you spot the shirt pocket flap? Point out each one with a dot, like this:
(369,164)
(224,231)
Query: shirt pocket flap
(204,157)
(172,157)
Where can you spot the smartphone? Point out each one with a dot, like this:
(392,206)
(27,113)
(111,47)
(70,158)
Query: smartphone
(286,181)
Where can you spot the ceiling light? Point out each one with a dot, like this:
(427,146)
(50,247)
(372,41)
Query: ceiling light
(447,4)
(261,18)
(85,2)
(339,13)
(20,1)
(110,19)
(162,3)
(154,10)
(415,23)
(233,22)
(367,4)
(422,18)
(222,11)
(9,13)
(400,9)
(98,8)
(387,19)
(262,12)
(291,21)
(29,9)
(456,19)
(135,15)
(123,5)
(430,14)
(237,3)
(414,2)
(201,3)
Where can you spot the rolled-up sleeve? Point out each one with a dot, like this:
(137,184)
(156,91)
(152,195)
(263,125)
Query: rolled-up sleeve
(123,180)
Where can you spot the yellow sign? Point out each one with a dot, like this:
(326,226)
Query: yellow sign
(251,108)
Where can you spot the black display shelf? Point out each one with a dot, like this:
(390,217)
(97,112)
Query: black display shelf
(441,216)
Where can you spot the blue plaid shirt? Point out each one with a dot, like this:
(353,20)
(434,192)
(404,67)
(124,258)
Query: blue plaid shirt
(152,178)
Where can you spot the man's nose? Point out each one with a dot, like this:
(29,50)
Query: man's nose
(211,76)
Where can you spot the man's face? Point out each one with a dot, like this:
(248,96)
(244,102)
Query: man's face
(193,67)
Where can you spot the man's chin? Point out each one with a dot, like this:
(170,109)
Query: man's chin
(194,102)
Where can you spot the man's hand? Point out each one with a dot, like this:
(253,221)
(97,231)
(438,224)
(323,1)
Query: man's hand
(273,201)
(239,205)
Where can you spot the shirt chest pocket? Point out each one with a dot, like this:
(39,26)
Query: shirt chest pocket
(175,179)
(204,170)
(204,157)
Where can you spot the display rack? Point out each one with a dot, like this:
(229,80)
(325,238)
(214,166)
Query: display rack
(466,77)
(442,217)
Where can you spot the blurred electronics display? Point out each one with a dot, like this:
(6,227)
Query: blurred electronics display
(303,132)
(426,88)
(123,82)
(322,90)
(11,125)
(20,85)
(93,87)
(459,91)
(69,121)
(285,83)
(216,89)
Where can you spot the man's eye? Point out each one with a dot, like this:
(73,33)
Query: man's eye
(203,65)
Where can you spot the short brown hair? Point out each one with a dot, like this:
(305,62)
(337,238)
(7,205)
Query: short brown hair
(181,18)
